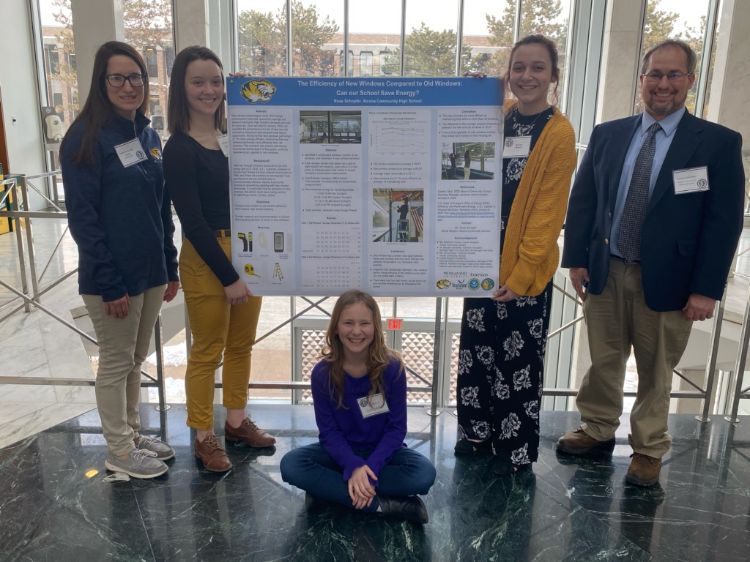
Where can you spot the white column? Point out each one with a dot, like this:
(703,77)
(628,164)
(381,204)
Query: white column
(620,58)
(209,24)
(190,23)
(728,100)
(96,22)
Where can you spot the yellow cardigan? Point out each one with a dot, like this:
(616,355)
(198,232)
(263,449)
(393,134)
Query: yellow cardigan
(530,254)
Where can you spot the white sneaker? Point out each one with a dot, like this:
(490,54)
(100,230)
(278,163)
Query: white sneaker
(141,463)
(163,451)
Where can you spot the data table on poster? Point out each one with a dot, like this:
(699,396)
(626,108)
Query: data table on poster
(390,185)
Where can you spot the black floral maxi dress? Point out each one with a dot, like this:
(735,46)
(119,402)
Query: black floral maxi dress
(501,354)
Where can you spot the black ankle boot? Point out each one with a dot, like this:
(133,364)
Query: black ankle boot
(410,508)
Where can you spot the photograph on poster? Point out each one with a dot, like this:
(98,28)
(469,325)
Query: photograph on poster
(331,127)
(398,215)
(246,239)
(468,161)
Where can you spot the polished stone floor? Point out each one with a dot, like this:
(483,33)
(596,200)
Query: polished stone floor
(55,504)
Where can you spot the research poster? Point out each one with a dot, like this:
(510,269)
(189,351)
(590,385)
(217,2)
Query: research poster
(391,185)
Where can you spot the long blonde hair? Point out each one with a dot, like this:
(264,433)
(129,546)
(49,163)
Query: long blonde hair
(378,355)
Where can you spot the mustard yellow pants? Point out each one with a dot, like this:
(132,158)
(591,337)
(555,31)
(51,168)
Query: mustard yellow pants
(218,329)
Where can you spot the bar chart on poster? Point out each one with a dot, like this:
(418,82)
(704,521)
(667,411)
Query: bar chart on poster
(387,185)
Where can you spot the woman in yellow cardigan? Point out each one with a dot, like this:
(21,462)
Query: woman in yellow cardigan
(503,339)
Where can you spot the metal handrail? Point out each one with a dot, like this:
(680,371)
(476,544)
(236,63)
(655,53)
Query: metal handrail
(21,183)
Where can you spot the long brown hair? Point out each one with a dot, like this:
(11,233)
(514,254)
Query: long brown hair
(98,109)
(378,355)
(178,111)
(551,47)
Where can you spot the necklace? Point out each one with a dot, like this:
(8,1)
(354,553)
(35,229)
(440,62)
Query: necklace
(524,128)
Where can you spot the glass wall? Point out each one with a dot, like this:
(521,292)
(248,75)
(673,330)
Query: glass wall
(375,38)
(147,26)
(59,67)
(431,39)
(262,37)
(316,29)
(489,33)
(374,47)
(676,19)
(431,36)
(387,38)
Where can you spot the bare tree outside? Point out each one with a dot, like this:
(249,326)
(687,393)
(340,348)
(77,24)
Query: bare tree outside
(263,42)
(659,26)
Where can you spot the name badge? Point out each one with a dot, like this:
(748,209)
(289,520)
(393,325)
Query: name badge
(224,144)
(130,153)
(372,405)
(690,180)
(517,147)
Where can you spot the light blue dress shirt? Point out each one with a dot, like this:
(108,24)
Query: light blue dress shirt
(663,141)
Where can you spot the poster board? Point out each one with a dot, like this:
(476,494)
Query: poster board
(390,185)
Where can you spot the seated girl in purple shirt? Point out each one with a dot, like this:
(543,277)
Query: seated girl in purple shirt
(359,394)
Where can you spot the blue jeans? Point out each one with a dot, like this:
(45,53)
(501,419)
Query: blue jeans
(312,469)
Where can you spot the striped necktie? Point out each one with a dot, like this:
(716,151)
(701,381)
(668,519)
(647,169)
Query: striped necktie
(629,238)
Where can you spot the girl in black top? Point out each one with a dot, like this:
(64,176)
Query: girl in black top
(222,311)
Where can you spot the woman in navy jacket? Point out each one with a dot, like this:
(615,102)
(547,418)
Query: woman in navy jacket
(120,218)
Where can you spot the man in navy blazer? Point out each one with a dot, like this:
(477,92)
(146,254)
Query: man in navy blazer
(654,217)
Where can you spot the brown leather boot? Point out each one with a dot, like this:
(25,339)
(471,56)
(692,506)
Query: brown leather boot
(248,433)
(643,470)
(579,443)
(212,455)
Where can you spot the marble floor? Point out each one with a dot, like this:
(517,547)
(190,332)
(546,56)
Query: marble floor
(56,505)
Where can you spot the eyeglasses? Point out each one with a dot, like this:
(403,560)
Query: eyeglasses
(672,76)
(118,80)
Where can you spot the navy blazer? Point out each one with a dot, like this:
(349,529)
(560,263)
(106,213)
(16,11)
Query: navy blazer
(688,241)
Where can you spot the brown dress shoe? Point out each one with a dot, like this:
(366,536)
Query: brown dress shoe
(212,455)
(579,443)
(248,433)
(643,470)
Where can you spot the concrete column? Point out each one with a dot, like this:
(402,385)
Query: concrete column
(620,58)
(210,24)
(96,22)
(190,23)
(727,102)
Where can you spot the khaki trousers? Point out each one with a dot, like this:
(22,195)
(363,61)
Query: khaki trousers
(617,320)
(218,328)
(123,345)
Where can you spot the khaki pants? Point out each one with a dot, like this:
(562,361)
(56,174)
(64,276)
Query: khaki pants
(123,345)
(218,328)
(616,320)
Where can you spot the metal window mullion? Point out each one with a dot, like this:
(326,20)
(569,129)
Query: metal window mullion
(42,93)
(235,39)
(575,337)
(346,39)
(288,37)
(296,346)
(572,15)
(403,35)
(637,69)
(446,349)
(459,36)
(708,43)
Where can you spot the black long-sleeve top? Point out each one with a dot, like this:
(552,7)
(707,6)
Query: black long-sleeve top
(197,179)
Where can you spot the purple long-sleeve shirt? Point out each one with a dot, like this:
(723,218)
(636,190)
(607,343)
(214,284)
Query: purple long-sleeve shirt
(344,431)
